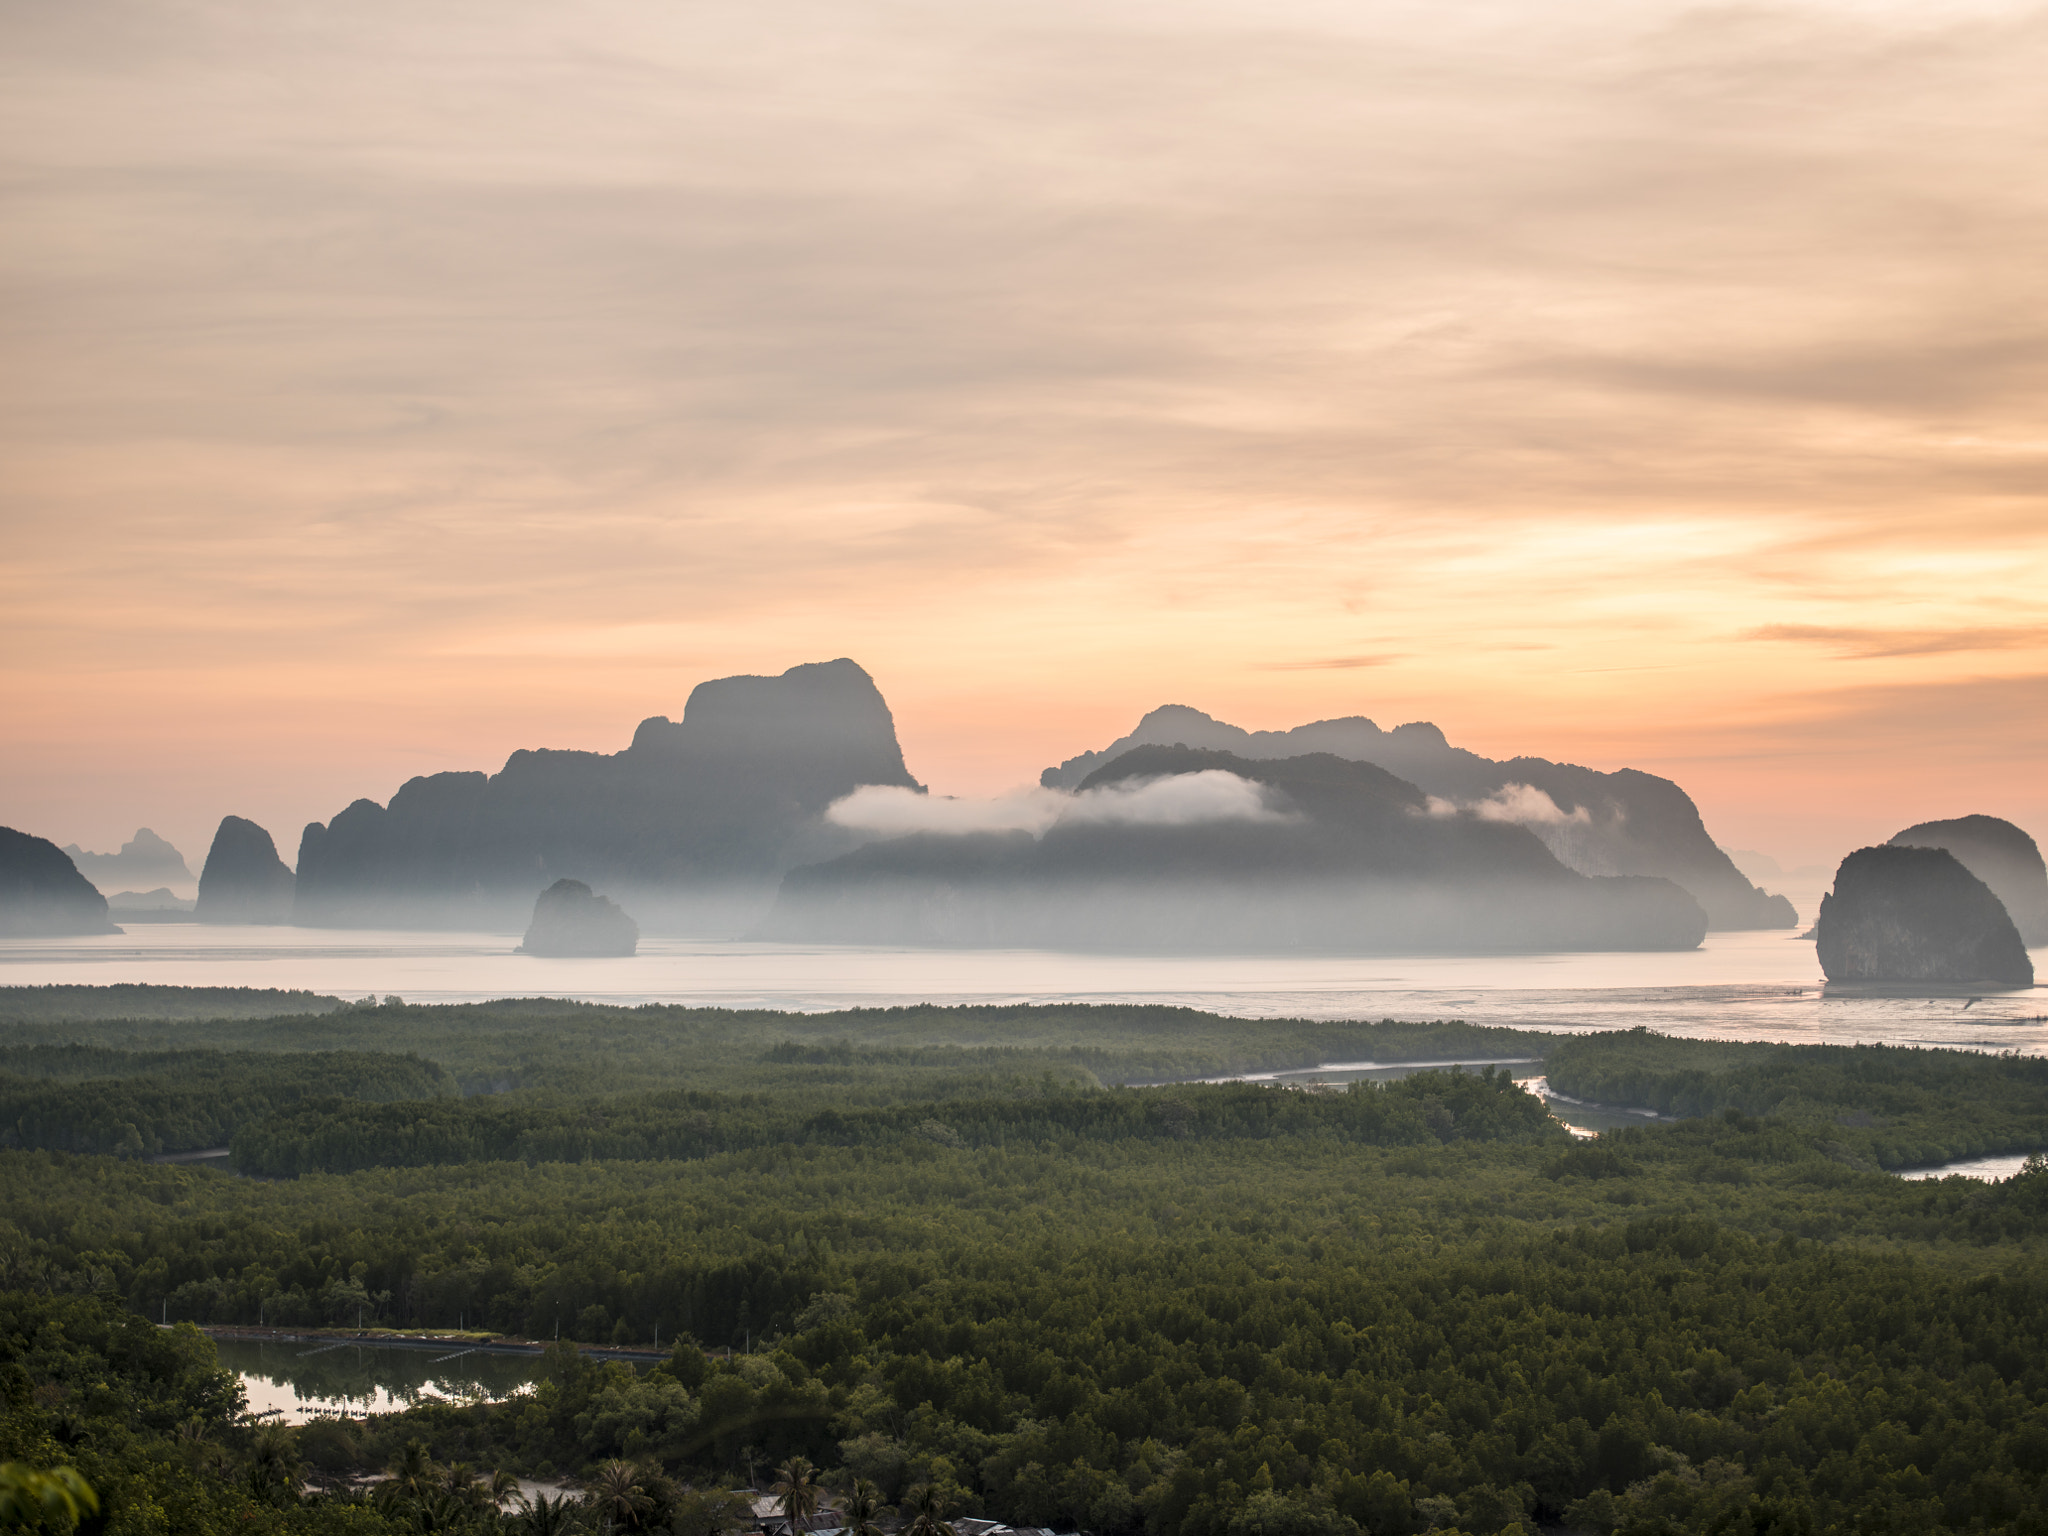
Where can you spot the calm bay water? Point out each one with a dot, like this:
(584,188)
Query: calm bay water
(1749,986)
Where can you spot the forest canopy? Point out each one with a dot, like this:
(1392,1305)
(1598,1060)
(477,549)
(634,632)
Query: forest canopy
(952,1250)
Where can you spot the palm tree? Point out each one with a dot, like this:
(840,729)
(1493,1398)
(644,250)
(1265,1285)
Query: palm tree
(501,1487)
(927,1512)
(194,1443)
(617,1496)
(441,1510)
(864,1507)
(544,1517)
(796,1491)
(413,1476)
(274,1465)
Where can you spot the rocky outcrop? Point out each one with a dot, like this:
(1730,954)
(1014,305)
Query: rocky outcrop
(43,894)
(1320,854)
(244,880)
(1916,916)
(715,806)
(1620,823)
(144,860)
(1999,854)
(572,920)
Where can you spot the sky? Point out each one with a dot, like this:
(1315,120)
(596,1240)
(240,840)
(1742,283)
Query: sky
(388,387)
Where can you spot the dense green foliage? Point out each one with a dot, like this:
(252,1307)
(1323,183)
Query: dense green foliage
(141,1000)
(951,1258)
(146,1418)
(1900,1107)
(78,1098)
(328,1137)
(869,1055)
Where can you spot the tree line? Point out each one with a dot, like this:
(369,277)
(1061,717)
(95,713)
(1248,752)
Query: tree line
(83,1098)
(334,1136)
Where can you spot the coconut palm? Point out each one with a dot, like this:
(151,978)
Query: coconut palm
(441,1510)
(617,1496)
(273,1472)
(413,1474)
(795,1491)
(542,1516)
(194,1439)
(502,1486)
(864,1508)
(927,1509)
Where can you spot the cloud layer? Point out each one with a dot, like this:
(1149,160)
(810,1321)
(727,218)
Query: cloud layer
(1179,800)
(393,386)
(1524,804)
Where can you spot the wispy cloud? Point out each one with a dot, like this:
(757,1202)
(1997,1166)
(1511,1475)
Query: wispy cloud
(1330,663)
(1870,644)
(390,386)
(1523,804)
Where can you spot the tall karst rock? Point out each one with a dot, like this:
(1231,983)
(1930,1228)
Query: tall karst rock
(693,823)
(1999,854)
(1914,916)
(1620,823)
(43,894)
(244,880)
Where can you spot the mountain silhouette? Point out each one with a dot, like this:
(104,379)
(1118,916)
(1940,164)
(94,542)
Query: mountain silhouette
(244,880)
(1999,854)
(145,860)
(691,822)
(1325,854)
(42,893)
(1915,915)
(1620,823)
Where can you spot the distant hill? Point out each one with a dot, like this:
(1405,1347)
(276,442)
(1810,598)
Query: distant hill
(1999,854)
(144,861)
(1315,853)
(691,823)
(1620,823)
(43,894)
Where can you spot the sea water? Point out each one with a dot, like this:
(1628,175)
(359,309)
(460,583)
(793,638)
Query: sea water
(1741,986)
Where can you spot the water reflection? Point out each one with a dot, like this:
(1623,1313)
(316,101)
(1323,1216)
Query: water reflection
(1990,1169)
(298,1380)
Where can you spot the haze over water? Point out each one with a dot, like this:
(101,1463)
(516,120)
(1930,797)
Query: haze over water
(1751,986)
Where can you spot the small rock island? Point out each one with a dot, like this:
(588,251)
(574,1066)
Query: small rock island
(1916,916)
(570,920)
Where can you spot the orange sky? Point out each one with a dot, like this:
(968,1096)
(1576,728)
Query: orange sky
(391,386)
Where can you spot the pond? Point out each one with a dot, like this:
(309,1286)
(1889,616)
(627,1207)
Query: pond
(1991,1169)
(297,1380)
